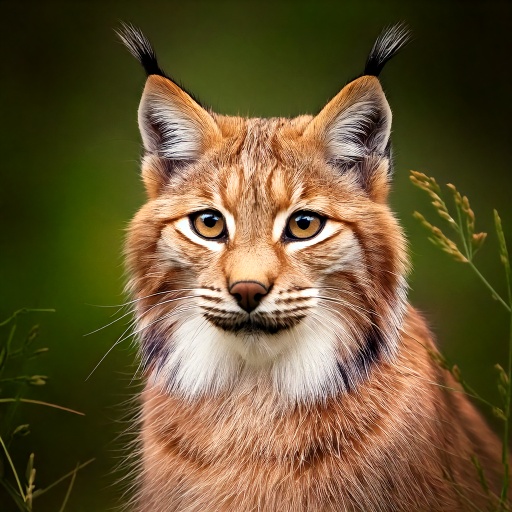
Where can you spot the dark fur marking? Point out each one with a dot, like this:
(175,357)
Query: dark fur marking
(140,47)
(218,310)
(291,311)
(216,300)
(388,153)
(371,351)
(387,45)
(153,346)
(289,300)
(344,373)
(254,326)
(364,359)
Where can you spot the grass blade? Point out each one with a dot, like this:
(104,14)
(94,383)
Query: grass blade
(39,492)
(20,488)
(39,402)
(70,487)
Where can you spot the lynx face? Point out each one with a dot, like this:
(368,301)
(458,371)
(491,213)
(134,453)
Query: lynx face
(266,253)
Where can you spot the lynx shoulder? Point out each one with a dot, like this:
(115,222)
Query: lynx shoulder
(284,368)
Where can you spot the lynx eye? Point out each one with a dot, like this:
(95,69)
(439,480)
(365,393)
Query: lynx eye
(209,224)
(303,225)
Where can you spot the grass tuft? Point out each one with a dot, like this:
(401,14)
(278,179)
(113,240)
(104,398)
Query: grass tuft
(468,242)
(22,490)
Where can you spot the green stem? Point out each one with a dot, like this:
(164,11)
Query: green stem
(14,495)
(13,468)
(11,414)
(25,310)
(11,337)
(8,345)
(506,430)
(39,492)
(470,391)
(460,229)
(39,402)
(68,492)
(506,434)
(21,378)
(467,390)
(489,286)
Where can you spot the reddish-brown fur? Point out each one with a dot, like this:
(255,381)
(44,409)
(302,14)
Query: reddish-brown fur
(391,435)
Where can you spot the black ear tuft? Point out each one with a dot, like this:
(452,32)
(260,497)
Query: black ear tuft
(140,47)
(387,45)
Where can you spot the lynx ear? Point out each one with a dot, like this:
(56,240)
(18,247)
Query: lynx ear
(173,125)
(354,127)
(175,128)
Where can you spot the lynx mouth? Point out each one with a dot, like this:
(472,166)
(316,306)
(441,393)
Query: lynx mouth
(254,324)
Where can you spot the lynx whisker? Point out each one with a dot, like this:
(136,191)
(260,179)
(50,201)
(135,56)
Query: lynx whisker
(131,312)
(344,303)
(373,315)
(173,290)
(353,293)
(175,311)
(124,337)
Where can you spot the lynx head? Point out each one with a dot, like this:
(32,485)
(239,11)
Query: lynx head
(266,254)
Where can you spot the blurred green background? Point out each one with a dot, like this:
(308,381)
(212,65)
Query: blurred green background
(70,184)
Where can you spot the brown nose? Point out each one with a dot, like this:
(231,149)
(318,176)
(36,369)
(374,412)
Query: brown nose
(248,294)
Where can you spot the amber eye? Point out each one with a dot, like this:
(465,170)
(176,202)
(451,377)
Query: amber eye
(209,224)
(303,225)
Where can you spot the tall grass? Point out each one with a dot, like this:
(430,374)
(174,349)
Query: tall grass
(462,243)
(15,350)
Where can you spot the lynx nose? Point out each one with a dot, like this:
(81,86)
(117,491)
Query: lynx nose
(248,294)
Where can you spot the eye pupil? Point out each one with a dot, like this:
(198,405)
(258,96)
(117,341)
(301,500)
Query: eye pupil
(210,221)
(303,222)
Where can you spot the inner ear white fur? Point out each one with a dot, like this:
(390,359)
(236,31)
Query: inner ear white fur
(361,129)
(355,123)
(167,132)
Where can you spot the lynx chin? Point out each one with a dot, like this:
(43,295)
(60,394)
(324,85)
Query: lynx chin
(285,370)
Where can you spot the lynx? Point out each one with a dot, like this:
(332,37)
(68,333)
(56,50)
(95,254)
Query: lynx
(284,368)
